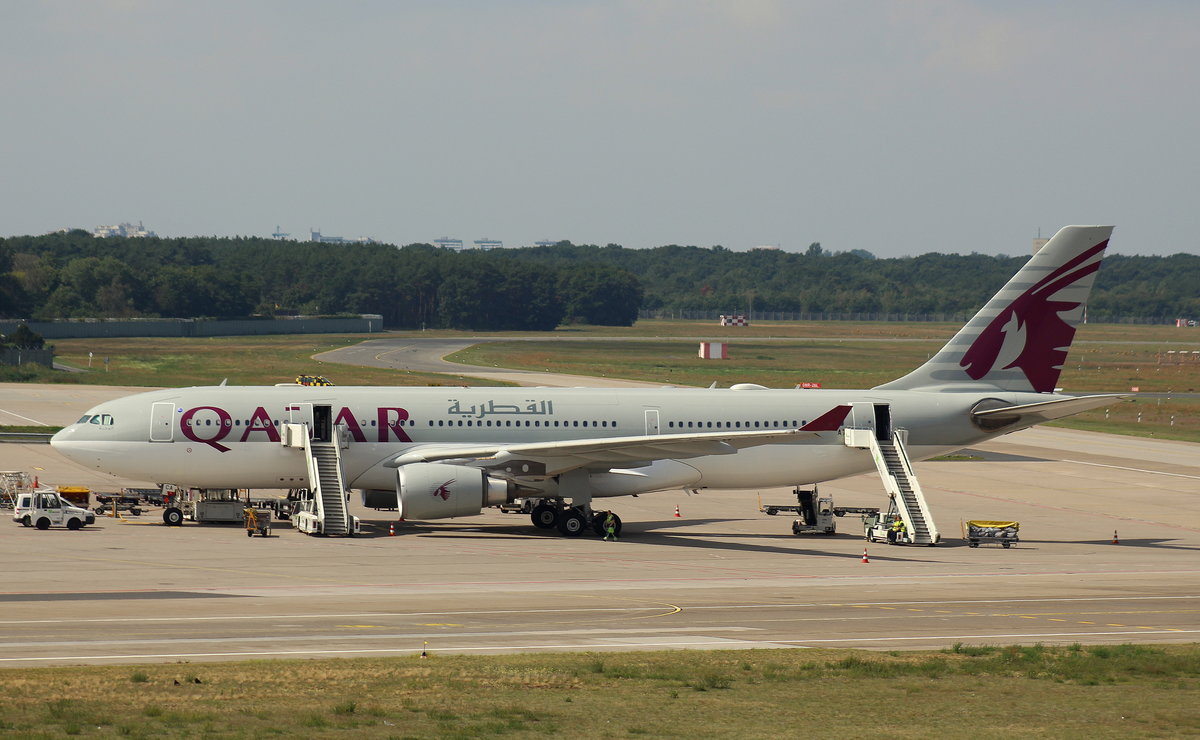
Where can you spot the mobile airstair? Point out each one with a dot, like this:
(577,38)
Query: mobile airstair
(873,431)
(325,512)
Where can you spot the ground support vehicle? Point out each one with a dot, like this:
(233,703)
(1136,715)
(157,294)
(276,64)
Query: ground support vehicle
(815,513)
(45,508)
(76,495)
(216,505)
(257,520)
(988,531)
(110,504)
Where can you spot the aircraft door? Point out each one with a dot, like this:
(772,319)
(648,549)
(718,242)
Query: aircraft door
(301,413)
(322,423)
(883,422)
(862,415)
(651,421)
(162,416)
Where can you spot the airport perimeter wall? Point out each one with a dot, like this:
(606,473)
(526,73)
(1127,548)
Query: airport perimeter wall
(17,356)
(953,318)
(88,328)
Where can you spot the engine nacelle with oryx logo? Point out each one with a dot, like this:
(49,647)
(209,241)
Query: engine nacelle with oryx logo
(439,491)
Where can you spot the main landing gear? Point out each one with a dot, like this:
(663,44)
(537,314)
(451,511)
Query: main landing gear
(571,521)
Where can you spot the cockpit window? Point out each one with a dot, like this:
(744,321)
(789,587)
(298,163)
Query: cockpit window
(102,419)
(85,419)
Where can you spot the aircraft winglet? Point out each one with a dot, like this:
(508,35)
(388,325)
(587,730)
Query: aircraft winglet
(829,421)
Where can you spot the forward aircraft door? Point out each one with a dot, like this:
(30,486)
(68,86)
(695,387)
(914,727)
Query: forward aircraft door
(162,416)
(651,421)
(301,413)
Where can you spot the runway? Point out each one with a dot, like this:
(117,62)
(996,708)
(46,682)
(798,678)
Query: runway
(721,575)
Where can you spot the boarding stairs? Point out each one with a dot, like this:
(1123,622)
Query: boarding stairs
(326,511)
(899,481)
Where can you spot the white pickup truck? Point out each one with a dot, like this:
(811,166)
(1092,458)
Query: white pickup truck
(44,509)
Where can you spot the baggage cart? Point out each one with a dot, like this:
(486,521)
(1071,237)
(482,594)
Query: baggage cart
(988,531)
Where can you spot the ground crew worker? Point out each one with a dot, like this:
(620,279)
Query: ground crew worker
(251,520)
(610,527)
(897,531)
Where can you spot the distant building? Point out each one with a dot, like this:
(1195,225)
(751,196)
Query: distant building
(1038,244)
(123,229)
(316,236)
(547,242)
(488,244)
(446,242)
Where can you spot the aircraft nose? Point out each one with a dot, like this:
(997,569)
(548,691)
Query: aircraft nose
(66,441)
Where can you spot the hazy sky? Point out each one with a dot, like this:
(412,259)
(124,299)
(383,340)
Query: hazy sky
(896,127)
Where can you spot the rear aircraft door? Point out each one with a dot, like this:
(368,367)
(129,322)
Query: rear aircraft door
(651,421)
(862,415)
(874,416)
(162,417)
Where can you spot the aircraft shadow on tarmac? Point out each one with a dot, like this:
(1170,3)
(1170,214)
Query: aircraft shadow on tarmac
(645,533)
(1153,543)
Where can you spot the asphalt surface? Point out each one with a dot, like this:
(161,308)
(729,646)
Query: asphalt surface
(1110,539)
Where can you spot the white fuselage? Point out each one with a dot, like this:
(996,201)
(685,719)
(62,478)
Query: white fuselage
(229,437)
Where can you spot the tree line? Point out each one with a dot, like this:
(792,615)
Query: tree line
(73,274)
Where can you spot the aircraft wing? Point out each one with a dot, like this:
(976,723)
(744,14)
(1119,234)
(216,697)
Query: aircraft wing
(1036,413)
(562,455)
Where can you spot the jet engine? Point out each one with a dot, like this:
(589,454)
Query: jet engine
(439,491)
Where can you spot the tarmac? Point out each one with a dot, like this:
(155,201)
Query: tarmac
(1108,553)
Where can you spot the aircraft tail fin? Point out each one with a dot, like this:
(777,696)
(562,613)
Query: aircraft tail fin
(1019,340)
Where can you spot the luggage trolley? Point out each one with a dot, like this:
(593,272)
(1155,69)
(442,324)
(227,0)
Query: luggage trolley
(1001,533)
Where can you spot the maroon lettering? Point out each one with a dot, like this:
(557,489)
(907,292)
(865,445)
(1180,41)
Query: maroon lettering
(224,424)
(345,416)
(393,419)
(261,421)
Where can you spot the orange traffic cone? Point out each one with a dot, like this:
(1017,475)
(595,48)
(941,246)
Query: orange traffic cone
(391,529)
(1115,540)
(865,560)
(677,511)
(35,482)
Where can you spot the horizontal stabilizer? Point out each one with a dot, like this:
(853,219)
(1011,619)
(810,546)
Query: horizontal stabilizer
(1035,413)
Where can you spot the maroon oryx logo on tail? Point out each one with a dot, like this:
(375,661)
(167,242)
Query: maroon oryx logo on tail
(1029,333)
(444,490)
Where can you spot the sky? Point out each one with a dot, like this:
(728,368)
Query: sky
(899,127)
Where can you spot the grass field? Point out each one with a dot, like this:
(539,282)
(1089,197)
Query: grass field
(177,362)
(1123,691)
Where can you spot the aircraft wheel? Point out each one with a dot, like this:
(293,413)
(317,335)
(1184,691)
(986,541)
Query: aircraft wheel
(570,523)
(173,517)
(43,523)
(74,524)
(544,516)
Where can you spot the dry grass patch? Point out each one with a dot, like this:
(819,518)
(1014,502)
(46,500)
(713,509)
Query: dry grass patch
(1105,691)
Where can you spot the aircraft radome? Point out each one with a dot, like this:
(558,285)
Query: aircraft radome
(437,452)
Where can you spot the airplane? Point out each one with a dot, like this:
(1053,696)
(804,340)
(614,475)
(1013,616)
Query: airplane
(436,452)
